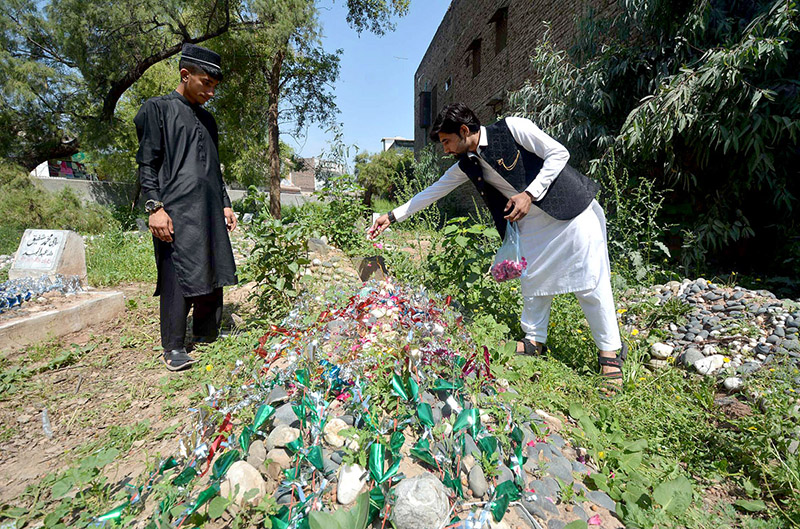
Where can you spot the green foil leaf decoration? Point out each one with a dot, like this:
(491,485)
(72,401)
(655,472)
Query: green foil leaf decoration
(114,514)
(508,489)
(185,477)
(376,501)
(296,445)
(245,439)
(421,451)
(499,508)
(224,462)
(263,413)
(168,464)
(302,376)
(425,414)
(468,419)
(396,442)
(413,389)
(204,497)
(399,387)
(488,445)
(314,457)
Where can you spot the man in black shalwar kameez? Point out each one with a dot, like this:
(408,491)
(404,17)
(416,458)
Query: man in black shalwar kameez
(190,212)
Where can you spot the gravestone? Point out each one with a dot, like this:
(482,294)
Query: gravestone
(50,252)
(370,268)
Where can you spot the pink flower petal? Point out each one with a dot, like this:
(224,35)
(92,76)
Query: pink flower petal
(594,520)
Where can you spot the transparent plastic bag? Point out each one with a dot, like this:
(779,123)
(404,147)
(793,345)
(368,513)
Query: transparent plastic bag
(508,263)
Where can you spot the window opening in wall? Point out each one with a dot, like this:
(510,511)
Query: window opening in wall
(475,50)
(448,84)
(424,110)
(500,21)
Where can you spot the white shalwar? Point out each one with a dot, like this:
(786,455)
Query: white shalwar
(563,255)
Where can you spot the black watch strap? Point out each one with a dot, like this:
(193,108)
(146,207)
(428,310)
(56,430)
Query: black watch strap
(392,218)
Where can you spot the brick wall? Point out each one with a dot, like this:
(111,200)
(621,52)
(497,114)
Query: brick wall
(449,57)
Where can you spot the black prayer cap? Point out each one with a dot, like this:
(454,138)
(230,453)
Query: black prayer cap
(200,55)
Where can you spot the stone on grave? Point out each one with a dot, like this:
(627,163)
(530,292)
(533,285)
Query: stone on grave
(50,252)
(370,268)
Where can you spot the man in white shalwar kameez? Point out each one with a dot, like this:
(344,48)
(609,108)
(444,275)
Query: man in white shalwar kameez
(562,227)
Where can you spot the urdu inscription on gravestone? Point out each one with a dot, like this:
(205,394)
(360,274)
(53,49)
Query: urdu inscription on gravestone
(49,252)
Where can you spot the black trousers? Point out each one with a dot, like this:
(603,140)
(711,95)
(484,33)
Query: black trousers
(175,307)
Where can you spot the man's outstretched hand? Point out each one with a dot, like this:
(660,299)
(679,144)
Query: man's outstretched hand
(381,223)
(517,207)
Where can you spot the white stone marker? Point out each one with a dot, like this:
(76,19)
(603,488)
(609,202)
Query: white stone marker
(50,252)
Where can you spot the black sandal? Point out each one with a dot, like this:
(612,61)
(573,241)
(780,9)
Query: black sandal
(609,379)
(530,349)
(177,360)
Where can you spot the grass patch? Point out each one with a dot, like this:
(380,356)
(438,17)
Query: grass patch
(119,257)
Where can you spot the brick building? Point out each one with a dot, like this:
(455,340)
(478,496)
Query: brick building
(482,50)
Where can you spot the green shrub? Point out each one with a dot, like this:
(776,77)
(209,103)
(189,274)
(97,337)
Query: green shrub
(24,205)
(632,207)
(275,263)
(459,266)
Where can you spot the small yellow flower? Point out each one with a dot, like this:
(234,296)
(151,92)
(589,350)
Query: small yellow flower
(752,428)
(634,332)
(677,397)
(583,338)
(758,280)
(622,311)
(726,359)
(208,367)
(579,331)
(771,369)
(601,454)
(642,378)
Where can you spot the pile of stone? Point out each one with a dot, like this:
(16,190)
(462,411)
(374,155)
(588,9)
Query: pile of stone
(6,261)
(422,500)
(729,333)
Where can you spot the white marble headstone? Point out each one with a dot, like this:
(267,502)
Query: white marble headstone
(50,252)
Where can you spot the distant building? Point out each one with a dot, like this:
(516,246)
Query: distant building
(62,169)
(312,176)
(397,143)
(482,51)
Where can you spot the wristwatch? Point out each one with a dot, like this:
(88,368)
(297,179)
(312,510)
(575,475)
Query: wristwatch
(392,219)
(151,206)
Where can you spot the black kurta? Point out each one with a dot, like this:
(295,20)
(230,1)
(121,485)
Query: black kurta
(179,166)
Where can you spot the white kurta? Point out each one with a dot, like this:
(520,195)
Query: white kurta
(563,255)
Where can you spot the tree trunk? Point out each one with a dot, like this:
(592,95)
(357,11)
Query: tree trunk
(273,135)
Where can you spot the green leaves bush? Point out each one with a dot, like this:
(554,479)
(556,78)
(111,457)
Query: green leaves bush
(698,97)
(275,263)
(458,265)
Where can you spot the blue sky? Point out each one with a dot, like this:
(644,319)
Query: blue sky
(374,92)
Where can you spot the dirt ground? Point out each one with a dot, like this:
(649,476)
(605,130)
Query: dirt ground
(111,377)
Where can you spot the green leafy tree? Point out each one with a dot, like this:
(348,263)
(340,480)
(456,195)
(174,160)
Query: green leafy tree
(381,173)
(700,97)
(65,66)
(297,73)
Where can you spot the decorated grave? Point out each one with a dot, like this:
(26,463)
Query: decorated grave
(46,295)
(373,409)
